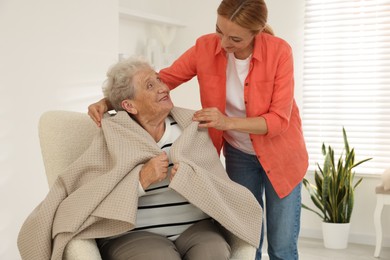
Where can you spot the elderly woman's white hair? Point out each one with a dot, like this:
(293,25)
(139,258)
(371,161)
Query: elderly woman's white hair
(119,83)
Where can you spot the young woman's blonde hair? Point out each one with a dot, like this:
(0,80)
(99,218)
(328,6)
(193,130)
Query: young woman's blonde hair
(249,14)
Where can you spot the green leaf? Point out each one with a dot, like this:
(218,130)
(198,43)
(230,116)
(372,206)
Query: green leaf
(333,190)
(306,207)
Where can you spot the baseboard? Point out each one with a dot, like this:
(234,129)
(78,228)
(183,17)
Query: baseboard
(362,239)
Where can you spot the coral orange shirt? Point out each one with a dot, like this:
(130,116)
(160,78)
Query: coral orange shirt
(268,92)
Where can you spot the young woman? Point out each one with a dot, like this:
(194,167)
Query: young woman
(246,82)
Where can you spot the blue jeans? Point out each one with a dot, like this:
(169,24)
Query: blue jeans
(282,215)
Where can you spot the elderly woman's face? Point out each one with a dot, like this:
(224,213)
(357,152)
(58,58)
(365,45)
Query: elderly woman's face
(151,94)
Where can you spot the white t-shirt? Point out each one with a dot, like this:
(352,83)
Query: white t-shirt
(236,72)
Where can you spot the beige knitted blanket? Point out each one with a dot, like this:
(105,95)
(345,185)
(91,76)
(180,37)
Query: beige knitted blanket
(96,196)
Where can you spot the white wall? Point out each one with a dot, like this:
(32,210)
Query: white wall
(54,55)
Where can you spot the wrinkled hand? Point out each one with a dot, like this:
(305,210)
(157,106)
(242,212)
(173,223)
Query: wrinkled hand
(96,111)
(211,117)
(155,170)
(173,171)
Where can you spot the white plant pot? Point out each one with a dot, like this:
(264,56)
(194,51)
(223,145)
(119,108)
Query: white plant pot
(335,235)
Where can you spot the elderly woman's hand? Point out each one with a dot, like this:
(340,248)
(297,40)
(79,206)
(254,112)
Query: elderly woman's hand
(96,110)
(173,171)
(155,170)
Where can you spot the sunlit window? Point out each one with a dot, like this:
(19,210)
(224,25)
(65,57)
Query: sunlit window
(347,79)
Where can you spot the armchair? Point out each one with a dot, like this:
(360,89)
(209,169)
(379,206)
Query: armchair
(64,136)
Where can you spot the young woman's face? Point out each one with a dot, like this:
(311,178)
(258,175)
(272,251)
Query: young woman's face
(234,38)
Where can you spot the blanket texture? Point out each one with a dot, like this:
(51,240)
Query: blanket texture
(97,195)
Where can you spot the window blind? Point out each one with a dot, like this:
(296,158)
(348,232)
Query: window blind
(346,81)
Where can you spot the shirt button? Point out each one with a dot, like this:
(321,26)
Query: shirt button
(246,83)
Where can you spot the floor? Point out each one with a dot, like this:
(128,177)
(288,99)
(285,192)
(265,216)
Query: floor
(313,249)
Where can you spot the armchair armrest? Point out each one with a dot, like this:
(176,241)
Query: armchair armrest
(239,248)
(81,249)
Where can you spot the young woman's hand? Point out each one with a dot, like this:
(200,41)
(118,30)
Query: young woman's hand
(96,111)
(211,117)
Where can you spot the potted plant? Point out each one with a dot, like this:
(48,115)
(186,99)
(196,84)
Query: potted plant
(333,193)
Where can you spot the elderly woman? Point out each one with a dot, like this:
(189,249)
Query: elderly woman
(150,186)
(168,226)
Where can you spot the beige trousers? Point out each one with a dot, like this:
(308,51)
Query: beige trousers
(201,241)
